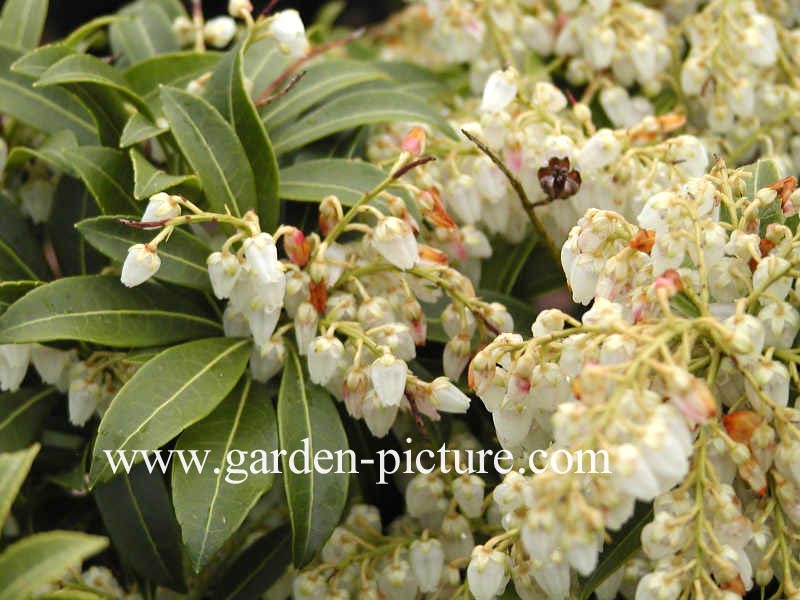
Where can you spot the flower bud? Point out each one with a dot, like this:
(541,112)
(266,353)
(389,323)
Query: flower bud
(388,376)
(330,213)
(487,573)
(305,325)
(140,265)
(288,30)
(267,360)
(447,397)
(219,31)
(500,90)
(160,207)
(297,246)
(183,28)
(239,8)
(324,355)
(427,562)
(395,241)
(414,141)
(223,271)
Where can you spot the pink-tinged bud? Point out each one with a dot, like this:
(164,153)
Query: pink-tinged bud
(740,425)
(670,281)
(695,402)
(414,142)
(330,213)
(297,246)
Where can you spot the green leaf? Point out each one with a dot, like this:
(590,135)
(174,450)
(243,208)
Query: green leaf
(108,175)
(316,500)
(413,79)
(213,149)
(500,272)
(263,62)
(43,558)
(210,508)
(14,467)
(38,60)
(139,129)
(109,111)
(22,23)
(99,309)
(227,93)
(167,394)
(258,567)
(51,152)
(764,172)
(354,109)
(11,291)
(312,180)
(624,543)
(183,256)
(147,33)
(22,414)
(20,255)
(148,180)
(71,594)
(46,110)
(89,28)
(75,203)
(136,511)
(84,68)
(319,82)
(176,70)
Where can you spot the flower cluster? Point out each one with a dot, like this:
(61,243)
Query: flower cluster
(354,305)
(527,125)
(680,375)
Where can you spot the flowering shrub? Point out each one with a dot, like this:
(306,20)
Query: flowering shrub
(236,243)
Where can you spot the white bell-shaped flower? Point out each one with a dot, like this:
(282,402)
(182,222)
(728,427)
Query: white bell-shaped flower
(262,256)
(378,417)
(83,398)
(487,573)
(223,271)
(500,90)
(324,354)
(395,241)
(161,206)
(53,365)
(427,562)
(267,361)
(262,322)
(288,29)
(305,326)
(397,582)
(140,265)
(468,493)
(219,31)
(14,360)
(447,397)
(388,376)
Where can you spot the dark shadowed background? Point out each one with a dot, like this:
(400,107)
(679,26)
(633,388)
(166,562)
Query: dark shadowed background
(65,15)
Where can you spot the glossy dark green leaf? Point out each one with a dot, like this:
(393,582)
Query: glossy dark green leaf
(99,309)
(315,500)
(14,467)
(501,271)
(147,33)
(176,69)
(263,62)
(38,60)
(311,181)
(84,68)
(354,109)
(42,558)
(183,256)
(139,129)
(167,394)
(258,567)
(22,23)
(211,506)
(74,203)
(226,91)
(49,110)
(89,28)
(212,148)
(320,82)
(413,79)
(108,175)
(20,255)
(137,513)
(22,414)
(148,180)
(11,291)
(763,172)
(623,545)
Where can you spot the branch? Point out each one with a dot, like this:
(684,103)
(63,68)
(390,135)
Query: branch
(288,88)
(412,165)
(527,205)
